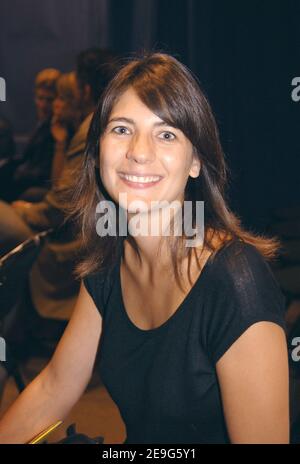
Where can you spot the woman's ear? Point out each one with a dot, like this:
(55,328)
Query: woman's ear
(195,167)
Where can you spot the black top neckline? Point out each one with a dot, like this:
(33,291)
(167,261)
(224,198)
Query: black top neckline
(182,305)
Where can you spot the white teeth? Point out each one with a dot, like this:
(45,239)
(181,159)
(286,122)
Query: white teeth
(140,179)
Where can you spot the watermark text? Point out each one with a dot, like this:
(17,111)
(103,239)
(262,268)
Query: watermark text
(2,89)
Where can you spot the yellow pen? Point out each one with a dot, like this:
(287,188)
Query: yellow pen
(38,438)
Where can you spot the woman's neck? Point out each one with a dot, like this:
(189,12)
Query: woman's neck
(152,252)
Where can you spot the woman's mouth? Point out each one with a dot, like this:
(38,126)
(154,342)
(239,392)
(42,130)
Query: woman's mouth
(140,182)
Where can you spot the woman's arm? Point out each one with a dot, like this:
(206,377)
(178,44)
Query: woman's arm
(52,394)
(254,381)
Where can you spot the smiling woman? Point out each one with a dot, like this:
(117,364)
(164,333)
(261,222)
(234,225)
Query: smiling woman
(144,158)
(154,138)
(154,120)
(191,340)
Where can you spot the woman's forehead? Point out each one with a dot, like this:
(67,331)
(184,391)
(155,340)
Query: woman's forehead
(128,99)
(131,106)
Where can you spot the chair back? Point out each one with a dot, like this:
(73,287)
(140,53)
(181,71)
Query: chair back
(14,270)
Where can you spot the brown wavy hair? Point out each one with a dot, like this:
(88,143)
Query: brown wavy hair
(168,89)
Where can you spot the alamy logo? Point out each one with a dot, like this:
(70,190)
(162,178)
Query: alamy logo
(151,220)
(296,351)
(296,90)
(2,349)
(2,89)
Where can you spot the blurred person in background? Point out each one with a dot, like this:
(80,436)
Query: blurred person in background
(65,120)
(45,92)
(95,67)
(32,175)
(53,286)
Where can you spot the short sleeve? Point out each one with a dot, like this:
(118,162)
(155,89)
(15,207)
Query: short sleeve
(242,291)
(96,285)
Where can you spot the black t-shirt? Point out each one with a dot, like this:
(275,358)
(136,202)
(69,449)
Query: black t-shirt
(164,380)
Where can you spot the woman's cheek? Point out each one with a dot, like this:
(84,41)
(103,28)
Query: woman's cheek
(171,163)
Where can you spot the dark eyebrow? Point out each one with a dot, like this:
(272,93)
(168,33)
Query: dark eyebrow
(131,121)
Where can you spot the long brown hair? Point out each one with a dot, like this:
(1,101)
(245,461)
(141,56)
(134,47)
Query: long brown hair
(170,91)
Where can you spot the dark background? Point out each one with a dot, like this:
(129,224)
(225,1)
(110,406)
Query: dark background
(245,54)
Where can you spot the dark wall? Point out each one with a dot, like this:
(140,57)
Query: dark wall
(35,34)
(245,54)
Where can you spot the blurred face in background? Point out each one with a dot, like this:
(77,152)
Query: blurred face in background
(43,102)
(66,105)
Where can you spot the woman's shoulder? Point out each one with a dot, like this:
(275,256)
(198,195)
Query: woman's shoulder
(241,290)
(99,284)
(237,271)
(237,258)
(240,268)
(227,250)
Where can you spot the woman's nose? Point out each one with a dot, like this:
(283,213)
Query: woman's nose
(141,149)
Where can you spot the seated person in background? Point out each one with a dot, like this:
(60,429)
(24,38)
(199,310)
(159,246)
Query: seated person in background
(22,219)
(95,67)
(34,169)
(65,120)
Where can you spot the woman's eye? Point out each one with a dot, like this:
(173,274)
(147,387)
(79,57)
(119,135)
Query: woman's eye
(168,136)
(121,130)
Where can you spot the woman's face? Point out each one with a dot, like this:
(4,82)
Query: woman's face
(142,156)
